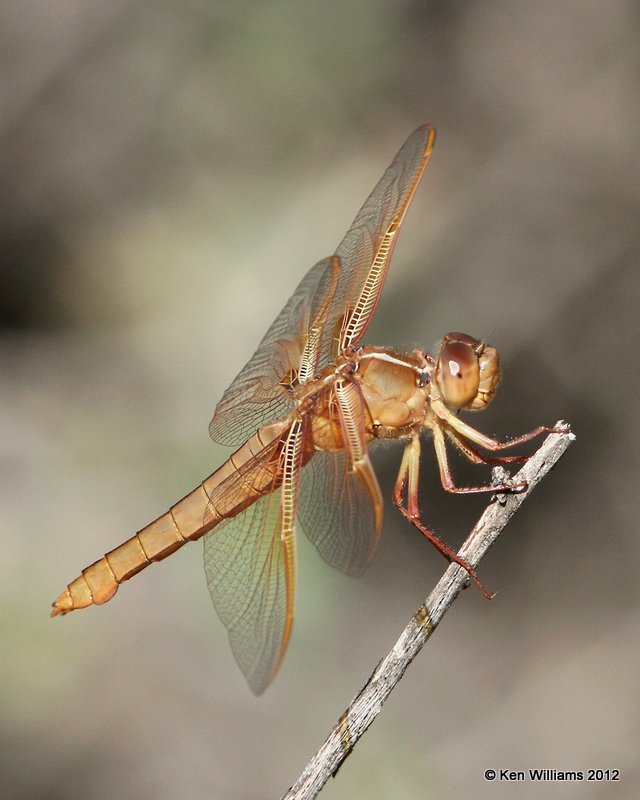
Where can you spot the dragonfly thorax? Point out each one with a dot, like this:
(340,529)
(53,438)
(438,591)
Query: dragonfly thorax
(394,391)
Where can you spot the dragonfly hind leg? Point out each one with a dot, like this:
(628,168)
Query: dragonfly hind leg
(407,483)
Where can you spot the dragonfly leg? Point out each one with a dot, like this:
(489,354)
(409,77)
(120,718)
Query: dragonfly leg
(446,477)
(476,457)
(408,480)
(468,432)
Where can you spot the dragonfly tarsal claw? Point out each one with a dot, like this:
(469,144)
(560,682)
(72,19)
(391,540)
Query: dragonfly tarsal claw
(502,481)
(473,576)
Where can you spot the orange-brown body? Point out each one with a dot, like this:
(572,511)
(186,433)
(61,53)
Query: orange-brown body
(394,391)
(395,405)
(313,398)
(186,521)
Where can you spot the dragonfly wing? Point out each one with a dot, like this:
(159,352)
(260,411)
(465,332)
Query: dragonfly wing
(365,251)
(334,302)
(260,392)
(337,513)
(249,562)
(244,564)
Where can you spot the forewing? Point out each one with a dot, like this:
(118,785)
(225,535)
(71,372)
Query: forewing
(337,514)
(260,392)
(365,252)
(341,293)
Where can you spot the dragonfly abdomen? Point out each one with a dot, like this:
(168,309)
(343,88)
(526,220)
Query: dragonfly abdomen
(252,468)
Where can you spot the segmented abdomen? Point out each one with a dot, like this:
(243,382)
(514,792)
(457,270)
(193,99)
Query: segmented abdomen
(249,473)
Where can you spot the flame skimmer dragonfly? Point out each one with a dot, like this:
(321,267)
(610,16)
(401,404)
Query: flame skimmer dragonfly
(302,413)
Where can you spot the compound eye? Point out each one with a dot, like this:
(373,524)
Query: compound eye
(458,372)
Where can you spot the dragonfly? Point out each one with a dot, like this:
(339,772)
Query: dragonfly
(302,415)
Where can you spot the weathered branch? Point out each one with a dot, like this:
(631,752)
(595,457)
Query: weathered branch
(367,704)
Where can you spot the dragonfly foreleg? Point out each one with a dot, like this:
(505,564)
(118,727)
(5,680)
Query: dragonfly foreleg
(476,457)
(482,439)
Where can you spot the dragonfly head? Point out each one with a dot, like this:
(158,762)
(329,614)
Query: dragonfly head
(467,372)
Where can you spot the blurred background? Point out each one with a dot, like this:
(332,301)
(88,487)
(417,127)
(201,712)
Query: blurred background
(169,171)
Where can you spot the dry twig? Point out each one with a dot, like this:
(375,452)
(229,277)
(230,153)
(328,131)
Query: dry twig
(367,704)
